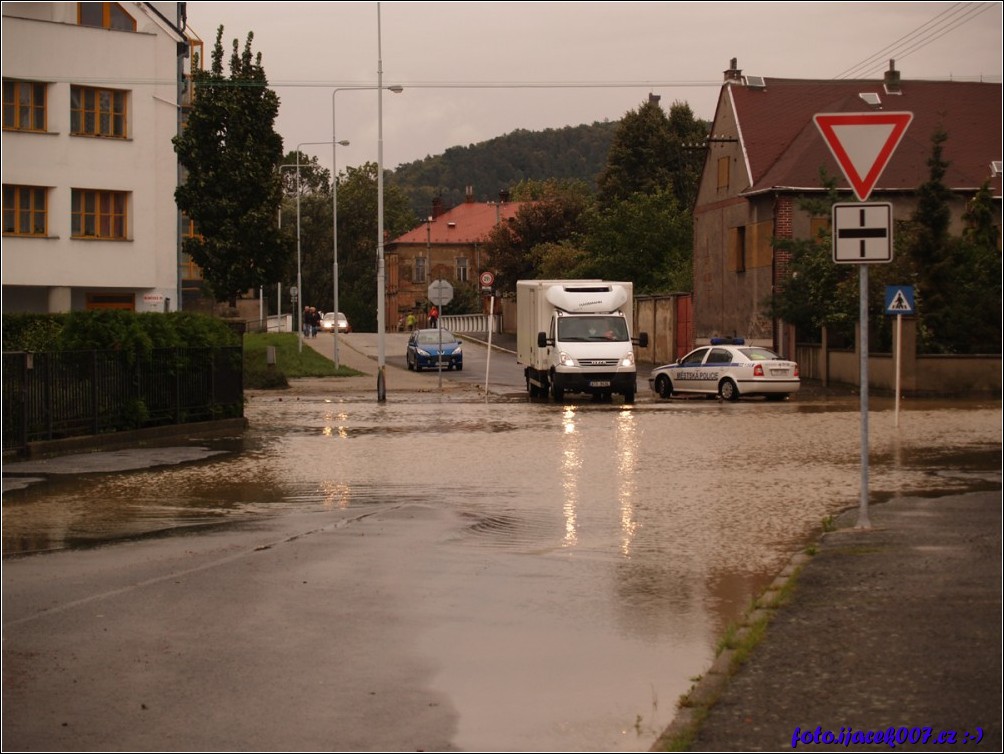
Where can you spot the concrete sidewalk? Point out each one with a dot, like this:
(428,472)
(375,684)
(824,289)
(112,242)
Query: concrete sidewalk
(895,627)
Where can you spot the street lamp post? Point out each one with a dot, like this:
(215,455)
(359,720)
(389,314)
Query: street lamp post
(334,226)
(396,89)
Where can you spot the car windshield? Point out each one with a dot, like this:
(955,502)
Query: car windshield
(433,337)
(759,354)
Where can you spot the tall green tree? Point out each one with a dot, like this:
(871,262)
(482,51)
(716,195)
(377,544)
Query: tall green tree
(357,240)
(230,150)
(646,238)
(652,151)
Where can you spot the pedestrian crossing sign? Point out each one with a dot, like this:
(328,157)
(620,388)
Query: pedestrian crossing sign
(899,300)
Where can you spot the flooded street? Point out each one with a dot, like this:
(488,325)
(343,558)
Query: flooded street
(560,573)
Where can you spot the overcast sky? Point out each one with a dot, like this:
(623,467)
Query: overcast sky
(476,70)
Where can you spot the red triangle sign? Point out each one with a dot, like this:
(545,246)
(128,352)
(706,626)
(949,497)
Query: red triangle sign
(862,144)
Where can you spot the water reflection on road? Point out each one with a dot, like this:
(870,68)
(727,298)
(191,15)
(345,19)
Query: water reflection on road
(594,552)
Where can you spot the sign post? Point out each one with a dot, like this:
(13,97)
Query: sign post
(898,301)
(440,294)
(862,144)
(487,280)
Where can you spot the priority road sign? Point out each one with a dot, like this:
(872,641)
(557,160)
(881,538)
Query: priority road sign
(862,144)
(862,233)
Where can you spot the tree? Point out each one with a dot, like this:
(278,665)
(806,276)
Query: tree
(357,236)
(958,279)
(646,238)
(230,150)
(553,218)
(816,293)
(651,152)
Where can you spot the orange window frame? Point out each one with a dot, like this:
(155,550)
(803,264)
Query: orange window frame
(99,214)
(25,211)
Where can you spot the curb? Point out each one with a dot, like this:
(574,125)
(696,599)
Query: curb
(693,706)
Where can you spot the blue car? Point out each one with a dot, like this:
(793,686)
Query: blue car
(434,348)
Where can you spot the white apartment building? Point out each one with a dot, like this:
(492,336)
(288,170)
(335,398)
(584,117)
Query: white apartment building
(91,101)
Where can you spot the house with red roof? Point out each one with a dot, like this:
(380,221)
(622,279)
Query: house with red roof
(447,246)
(765,154)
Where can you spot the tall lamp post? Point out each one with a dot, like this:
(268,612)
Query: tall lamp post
(335,143)
(334,227)
(299,277)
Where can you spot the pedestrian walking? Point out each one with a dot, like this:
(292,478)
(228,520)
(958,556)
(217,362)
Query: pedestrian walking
(433,316)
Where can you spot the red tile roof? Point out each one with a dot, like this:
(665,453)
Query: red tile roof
(466,223)
(784,148)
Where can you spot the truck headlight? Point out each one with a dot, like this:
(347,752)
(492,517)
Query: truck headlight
(565,360)
(627,360)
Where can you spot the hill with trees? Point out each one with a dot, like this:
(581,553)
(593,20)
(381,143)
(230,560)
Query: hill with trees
(573,153)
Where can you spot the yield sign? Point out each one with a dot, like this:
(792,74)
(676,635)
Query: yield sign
(862,144)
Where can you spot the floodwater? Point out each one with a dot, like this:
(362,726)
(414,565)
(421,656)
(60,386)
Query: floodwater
(586,557)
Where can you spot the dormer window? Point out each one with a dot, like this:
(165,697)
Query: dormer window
(105,16)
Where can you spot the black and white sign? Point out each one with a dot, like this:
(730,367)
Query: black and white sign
(862,233)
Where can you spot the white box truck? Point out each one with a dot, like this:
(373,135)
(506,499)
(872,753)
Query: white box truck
(574,336)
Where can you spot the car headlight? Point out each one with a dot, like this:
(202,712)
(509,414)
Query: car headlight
(458,351)
(627,360)
(565,360)
(423,352)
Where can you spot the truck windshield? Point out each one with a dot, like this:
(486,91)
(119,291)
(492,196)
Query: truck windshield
(586,328)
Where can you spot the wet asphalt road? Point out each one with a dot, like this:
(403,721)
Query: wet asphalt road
(439,572)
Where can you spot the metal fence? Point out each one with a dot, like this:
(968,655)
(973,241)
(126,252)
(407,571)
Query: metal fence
(55,395)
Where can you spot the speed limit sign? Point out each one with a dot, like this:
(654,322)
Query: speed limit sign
(487,279)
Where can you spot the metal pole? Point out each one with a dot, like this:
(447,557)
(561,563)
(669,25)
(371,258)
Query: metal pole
(299,275)
(899,350)
(334,219)
(381,345)
(334,202)
(863,521)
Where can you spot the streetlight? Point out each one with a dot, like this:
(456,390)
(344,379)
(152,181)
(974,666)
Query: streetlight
(334,225)
(299,277)
(335,143)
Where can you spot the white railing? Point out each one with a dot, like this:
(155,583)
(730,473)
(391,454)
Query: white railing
(471,323)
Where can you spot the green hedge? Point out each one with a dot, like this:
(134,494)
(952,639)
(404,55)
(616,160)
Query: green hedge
(137,333)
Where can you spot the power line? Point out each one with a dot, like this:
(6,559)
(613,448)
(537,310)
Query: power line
(943,23)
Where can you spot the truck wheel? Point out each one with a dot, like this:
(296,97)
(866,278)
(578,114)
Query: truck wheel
(557,392)
(629,396)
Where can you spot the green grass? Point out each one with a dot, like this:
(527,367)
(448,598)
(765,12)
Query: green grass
(290,361)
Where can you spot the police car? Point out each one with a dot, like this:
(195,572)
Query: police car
(729,368)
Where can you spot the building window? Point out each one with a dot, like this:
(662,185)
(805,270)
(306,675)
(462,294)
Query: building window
(23,106)
(420,273)
(818,226)
(737,249)
(99,214)
(461,270)
(25,211)
(105,16)
(97,112)
(723,173)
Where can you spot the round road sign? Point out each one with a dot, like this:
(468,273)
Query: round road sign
(487,279)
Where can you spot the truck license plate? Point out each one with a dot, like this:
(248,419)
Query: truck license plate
(599,383)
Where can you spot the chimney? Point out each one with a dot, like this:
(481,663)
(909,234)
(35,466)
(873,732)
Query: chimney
(653,99)
(437,207)
(733,73)
(469,195)
(892,85)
